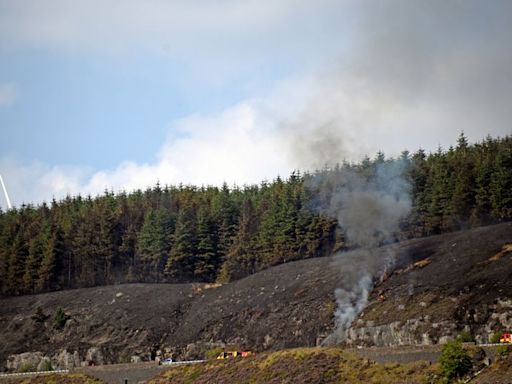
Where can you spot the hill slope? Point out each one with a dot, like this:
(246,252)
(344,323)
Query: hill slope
(462,283)
(286,306)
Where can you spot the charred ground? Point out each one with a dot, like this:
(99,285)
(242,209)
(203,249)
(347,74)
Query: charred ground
(457,285)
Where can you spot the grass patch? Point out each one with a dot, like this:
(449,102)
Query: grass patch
(300,365)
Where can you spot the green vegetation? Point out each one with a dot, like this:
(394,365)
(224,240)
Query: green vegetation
(302,365)
(59,318)
(454,361)
(27,368)
(205,234)
(46,366)
(465,337)
(213,353)
(495,338)
(503,350)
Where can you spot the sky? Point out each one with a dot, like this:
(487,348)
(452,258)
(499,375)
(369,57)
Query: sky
(120,95)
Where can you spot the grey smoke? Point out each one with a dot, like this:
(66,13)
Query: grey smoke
(369,207)
(414,74)
(351,302)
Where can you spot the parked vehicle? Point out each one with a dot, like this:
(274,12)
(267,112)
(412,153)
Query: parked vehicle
(506,338)
(233,354)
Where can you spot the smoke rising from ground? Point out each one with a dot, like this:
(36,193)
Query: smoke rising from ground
(369,205)
(351,302)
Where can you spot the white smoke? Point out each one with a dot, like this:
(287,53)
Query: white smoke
(351,301)
(369,208)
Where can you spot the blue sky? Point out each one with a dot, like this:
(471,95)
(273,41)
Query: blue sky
(119,94)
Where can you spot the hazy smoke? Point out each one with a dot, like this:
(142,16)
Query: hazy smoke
(369,205)
(370,208)
(351,302)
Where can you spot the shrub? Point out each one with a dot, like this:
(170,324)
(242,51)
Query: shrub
(454,361)
(213,353)
(60,318)
(46,366)
(27,368)
(495,338)
(465,337)
(503,350)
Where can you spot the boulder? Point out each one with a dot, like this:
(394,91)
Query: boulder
(28,361)
(66,360)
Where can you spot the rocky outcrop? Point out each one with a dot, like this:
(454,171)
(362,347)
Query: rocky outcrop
(410,332)
(66,360)
(28,361)
(94,356)
(38,361)
(480,321)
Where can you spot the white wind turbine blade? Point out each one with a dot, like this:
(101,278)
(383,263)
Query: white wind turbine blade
(9,206)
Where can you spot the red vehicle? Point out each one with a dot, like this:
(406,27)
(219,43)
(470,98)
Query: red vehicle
(506,338)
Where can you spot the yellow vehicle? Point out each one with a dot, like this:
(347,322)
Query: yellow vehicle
(506,338)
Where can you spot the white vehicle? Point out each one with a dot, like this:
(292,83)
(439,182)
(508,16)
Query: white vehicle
(167,361)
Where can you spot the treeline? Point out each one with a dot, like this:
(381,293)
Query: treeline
(192,234)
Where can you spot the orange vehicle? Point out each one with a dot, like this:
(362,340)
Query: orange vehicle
(506,338)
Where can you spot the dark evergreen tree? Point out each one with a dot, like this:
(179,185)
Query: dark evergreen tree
(180,266)
(207,257)
(186,234)
(52,252)
(242,259)
(154,244)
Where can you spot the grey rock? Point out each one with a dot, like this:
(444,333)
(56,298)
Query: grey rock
(24,360)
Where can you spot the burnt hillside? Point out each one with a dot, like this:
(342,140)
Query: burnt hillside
(462,282)
(285,306)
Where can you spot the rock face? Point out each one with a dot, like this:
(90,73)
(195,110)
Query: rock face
(458,286)
(66,360)
(38,361)
(28,361)
(442,285)
(410,332)
(480,324)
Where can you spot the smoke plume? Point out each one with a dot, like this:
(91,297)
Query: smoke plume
(369,204)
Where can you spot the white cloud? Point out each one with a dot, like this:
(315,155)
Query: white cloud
(8,94)
(301,124)
(212,43)
(416,74)
(213,30)
(237,145)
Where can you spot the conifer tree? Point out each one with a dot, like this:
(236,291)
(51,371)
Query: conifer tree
(154,243)
(52,251)
(207,258)
(181,263)
(242,259)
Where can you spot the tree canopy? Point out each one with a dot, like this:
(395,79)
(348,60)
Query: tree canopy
(205,234)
